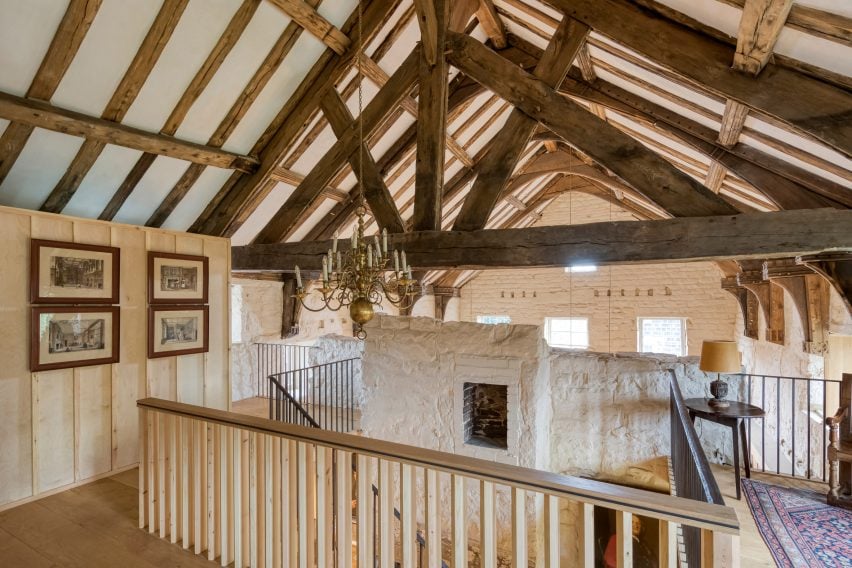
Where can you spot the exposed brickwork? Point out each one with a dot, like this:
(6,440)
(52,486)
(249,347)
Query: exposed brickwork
(689,290)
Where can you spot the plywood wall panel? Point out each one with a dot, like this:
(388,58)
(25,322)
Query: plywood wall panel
(52,229)
(190,368)
(53,440)
(93,420)
(91,233)
(15,389)
(217,384)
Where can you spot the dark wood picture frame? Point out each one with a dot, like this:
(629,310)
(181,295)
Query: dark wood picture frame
(35,273)
(152,278)
(35,340)
(152,312)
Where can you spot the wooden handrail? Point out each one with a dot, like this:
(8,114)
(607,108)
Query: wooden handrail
(675,509)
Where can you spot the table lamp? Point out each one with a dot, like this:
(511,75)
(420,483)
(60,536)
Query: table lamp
(719,357)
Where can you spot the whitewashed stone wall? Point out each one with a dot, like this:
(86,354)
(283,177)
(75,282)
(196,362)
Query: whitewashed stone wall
(689,290)
(258,318)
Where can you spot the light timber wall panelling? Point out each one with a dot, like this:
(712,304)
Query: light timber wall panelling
(64,427)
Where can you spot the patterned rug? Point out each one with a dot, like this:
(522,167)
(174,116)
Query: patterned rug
(799,528)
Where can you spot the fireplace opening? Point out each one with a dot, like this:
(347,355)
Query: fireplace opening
(486,410)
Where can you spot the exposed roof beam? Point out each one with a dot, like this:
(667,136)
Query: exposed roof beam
(509,143)
(733,121)
(228,124)
(747,235)
(66,41)
(432,120)
(292,178)
(43,115)
(428,20)
(308,18)
(231,205)
(830,26)
(378,76)
(655,178)
(491,23)
(373,186)
(715,176)
(289,215)
(810,105)
(760,24)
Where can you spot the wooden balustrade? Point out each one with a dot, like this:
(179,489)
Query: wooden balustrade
(257,492)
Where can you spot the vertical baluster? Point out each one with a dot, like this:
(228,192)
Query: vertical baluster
(211,493)
(186,487)
(809,471)
(793,426)
(162,472)
(313,512)
(344,509)
(302,497)
(252,499)
(588,544)
(277,503)
(778,426)
(226,538)
(365,509)
(624,539)
(143,464)
(386,516)
(199,483)
(151,423)
(245,497)
(487,522)
(668,544)
(237,492)
(520,557)
(822,429)
(324,525)
(173,422)
(551,531)
(408,513)
(268,532)
(763,425)
(719,550)
(293,503)
(459,523)
(433,519)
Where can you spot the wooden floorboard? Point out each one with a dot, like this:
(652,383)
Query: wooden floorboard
(90,526)
(754,552)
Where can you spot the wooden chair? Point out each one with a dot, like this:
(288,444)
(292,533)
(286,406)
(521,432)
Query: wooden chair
(840,450)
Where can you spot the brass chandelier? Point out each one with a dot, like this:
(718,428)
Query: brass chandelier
(361,277)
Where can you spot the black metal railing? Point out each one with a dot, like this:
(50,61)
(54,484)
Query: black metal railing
(321,396)
(277,358)
(692,476)
(791,439)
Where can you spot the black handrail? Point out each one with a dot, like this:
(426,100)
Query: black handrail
(693,478)
(282,406)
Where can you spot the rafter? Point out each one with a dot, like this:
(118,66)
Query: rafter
(733,121)
(289,215)
(760,24)
(748,235)
(427,19)
(375,191)
(100,131)
(431,123)
(308,18)
(239,108)
(229,208)
(498,165)
(651,175)
(715,176)
(491,23)
(808,104)
(66,41)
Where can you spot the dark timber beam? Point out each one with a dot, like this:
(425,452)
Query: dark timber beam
(814,107)
(760,24)
(638,166)
(431,122)
(748,235)
(291,213)
(375,191)
(509,143)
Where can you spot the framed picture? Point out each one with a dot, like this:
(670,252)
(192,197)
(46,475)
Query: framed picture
(68,336)
(177,330)
(177,278)
(71,273)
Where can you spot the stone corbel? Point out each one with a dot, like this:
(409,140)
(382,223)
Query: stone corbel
(809,293)
(748,305)
(835,267)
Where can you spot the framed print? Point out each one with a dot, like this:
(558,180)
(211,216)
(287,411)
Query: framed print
(177,330)
(71,273)
(177,278)
(68,336)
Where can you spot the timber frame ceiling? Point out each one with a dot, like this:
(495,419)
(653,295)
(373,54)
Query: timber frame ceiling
(239,117)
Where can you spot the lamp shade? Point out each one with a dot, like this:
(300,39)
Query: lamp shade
(719,357)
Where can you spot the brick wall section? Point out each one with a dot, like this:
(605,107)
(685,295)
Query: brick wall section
(693,290)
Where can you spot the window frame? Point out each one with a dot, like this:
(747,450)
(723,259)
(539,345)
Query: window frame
(548,321)
(683,334)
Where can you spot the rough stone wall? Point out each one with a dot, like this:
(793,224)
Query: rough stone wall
(689,290)
(259,320)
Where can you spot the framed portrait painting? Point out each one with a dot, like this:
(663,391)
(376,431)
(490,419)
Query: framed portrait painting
(73,336)
(177,278)
(72,273)
(177,330)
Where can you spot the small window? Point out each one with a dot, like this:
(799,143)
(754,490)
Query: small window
(662,335)
(236,314)
(493,319)
(567,332)
(575,268)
